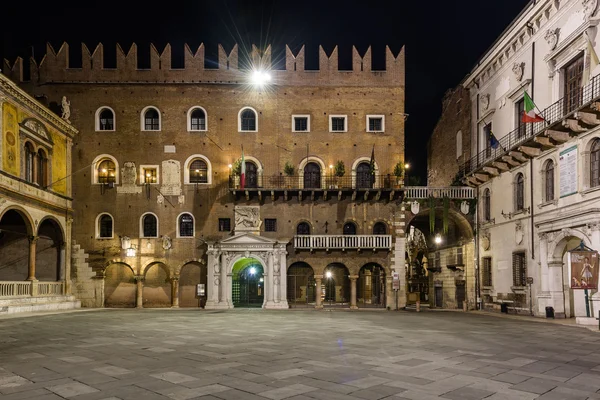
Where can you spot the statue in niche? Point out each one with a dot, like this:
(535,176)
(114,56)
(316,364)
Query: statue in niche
(66,109)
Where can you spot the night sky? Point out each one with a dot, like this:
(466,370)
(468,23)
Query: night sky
(443,39)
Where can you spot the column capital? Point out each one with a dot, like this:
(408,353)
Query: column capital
(318,276)
(33,239)
(353,277)
(175,279)
(139,278)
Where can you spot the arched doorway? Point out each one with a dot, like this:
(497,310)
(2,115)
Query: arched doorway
(364,178)
(14,246)
(119,286)
(49,254)
(312,176)
(371,286)
(336,285)
(157,286)
(251,175)
(301,286)
(349,228)
(248,286)
(192,274)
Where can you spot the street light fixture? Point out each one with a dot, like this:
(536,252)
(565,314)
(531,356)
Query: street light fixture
(260,78)
(438,239)
(328,274)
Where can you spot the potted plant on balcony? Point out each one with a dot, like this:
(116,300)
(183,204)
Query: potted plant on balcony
(399,173)
(288,170)
(236,170)
(338,171)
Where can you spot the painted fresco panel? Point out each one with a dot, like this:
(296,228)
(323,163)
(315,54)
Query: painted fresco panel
(10,140)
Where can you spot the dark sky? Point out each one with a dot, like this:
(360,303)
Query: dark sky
(443,39)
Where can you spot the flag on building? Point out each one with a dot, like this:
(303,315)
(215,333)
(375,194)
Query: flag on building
(494,143)
(372,165)
(243,171)
(591,61)
(529,114)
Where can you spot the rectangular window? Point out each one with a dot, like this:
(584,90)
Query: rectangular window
(337,123)
(270,225)
(224,224)
(149,174)
(519,269)
(375,123)
(520,125)
(487,133)
(486,271)
(300,123)
(573,76)
(459,256)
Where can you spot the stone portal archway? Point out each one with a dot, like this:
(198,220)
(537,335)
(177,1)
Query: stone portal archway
(226,266)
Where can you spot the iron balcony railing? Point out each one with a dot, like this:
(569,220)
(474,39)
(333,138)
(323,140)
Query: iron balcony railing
(452,192)
(556,112)
(316,181)
(342,242)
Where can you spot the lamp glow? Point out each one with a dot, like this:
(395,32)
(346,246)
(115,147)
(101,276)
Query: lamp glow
(407,166)
(438,239)
(252,271)
(131,252)
(230,166)
(260,77)
(328,274)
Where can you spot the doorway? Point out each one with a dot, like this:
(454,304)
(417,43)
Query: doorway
(248,286)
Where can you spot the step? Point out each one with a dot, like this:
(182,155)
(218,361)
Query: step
(34,300)
(54,306)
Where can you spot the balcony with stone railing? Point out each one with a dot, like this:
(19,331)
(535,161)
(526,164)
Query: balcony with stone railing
(343,242)
(452,192)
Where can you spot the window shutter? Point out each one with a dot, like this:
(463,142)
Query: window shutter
(519,269)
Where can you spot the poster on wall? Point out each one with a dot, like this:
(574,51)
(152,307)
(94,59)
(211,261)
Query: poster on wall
(567,163)
(583,269)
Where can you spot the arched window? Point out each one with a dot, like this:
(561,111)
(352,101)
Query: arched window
(149,226)
(349,228)
(595,164)
(151,119)
(42,168)
(380,228)
(105,226)
(549,180)
(303,228)
(519,192)
(105,120)
(186,225)
(198,172)
(487,205)
(197,120)
(247,121)
(29,162)
(106,171)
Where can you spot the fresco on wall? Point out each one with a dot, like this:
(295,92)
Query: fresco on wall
(59,163)
(10,139)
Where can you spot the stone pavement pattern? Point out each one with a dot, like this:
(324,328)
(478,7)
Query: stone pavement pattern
(304,355)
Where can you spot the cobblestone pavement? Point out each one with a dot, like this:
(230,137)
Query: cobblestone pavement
(256,354)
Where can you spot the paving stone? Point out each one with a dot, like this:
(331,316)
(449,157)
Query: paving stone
(113,371)
(185,394)
(72,389)
(535,385)
(467,393)
(173,377)
(510,378)
(287,391)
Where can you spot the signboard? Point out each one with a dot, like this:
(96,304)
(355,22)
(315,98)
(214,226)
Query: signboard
(200,290)
(568,171)
(395,281)
(583,269)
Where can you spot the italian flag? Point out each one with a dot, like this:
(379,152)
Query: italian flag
(243,171)
(529,114)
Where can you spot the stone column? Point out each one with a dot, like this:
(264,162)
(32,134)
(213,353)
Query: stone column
(139,298)
(555,286)
(175,292)
(390,294)
(283,278)
(32,251)
(35,169)
(269,281)
(318,289)
(68,254)
(353,279)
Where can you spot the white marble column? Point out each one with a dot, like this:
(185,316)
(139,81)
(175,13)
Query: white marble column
(226,299)
(212,279)
(283,303)
(544,297)
(555,286)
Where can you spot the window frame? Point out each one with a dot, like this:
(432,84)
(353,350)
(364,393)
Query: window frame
(487,135)
(178,234)
(375,116)
(304,223)
(487,204)
(549,166)
(595,151)
(29,158)
(143,176)
(307,116)
(97,125)
(240,130)
(228,223)
(331,117)
(187,165)
(380,223)
(97,171)
(142,232)
(143,119)
(189,119)
(519,256)
(486,272)
(98,230)
(519,190)
(273,221)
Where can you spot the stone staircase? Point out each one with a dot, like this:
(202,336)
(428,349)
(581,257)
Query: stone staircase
(84,286)
(36,304)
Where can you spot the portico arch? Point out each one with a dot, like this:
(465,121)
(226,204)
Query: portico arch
(119,285)
(157,286)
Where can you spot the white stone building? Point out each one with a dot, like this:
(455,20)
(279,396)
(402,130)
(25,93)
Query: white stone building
(539,189)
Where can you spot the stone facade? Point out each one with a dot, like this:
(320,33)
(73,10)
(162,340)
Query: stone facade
(35,204)
(191,167)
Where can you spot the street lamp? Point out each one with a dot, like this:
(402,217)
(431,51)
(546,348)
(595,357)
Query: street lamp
(252,270)
(260,78)
(438,239)
(328,274)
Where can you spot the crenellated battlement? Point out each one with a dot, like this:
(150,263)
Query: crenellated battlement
(233,67)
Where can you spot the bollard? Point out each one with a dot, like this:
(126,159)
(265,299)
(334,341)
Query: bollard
(418,306)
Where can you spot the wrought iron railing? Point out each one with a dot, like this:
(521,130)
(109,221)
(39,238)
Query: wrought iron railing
(452,192)
(342,242)
(555,112)
(318,181)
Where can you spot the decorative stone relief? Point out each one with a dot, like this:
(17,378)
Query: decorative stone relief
(37,127)
(247,219)
(519,233)
(589,8)
(166,242)
(485,101)
(171,178)
(415,207)
(181,199)
(128,178)
(464,207)
(518,69)
(551,37)
(160,199)
(125,242)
